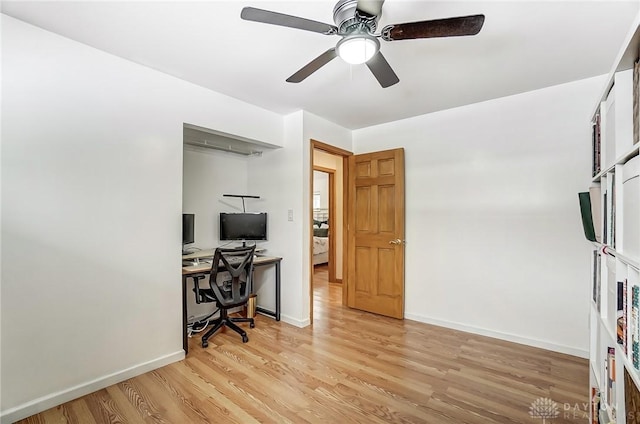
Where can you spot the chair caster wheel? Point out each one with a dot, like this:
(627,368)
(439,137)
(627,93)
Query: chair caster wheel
(252,325)
(245,339)
(205,344)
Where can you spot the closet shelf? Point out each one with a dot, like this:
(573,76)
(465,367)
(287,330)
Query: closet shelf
(218,140)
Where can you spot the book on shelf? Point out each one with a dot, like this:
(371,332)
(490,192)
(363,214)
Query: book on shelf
(596,141)
(608,378)
(635,326)
(621,316)
(611,382)
(605,217)
(604,393)
(608,218)
(595,405)
(596,278)
(596,210)
(636,101)
(603,417)
(631,399)
(587,220)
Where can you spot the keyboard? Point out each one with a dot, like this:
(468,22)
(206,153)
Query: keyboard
(234,260)
(195,263)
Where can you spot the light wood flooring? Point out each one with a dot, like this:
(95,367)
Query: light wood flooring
(350,367)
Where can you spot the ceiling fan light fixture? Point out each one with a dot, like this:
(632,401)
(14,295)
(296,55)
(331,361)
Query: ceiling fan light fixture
(357,49)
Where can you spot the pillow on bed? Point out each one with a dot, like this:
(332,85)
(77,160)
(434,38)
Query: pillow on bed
(320,232)
(324,225)
(316,223)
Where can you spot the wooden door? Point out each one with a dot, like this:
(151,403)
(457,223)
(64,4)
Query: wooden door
(375,254)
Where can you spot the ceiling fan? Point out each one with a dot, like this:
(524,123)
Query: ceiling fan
(356,22)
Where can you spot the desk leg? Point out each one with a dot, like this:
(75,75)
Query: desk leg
(278,291)
(253,271)
(185,342)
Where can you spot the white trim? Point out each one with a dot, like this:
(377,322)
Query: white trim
(54,399)
(294,321)
(499,335)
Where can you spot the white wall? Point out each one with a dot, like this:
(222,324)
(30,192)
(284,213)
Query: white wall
(321,188)
(91,204)
(283,177)
(494,237)
(277,178)
(208,175)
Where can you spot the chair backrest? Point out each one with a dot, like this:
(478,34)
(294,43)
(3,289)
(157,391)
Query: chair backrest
(239,264)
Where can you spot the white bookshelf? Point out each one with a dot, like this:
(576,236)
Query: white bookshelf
(615,311)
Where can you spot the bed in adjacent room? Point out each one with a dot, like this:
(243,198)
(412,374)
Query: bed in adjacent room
(320,236)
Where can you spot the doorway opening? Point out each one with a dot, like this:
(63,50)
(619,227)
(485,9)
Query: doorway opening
(324,214)
(326,217)
(328,222)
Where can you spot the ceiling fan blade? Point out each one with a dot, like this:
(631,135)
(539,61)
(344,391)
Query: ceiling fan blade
(275,18)
(370,7)
(313,66)
(450,27)
(381,69)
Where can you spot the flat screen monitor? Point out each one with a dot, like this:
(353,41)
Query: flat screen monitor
(188,227)
(243,226)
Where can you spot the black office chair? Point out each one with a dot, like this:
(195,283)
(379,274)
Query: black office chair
(232,293)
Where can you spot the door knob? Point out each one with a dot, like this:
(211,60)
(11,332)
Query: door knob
(397,241)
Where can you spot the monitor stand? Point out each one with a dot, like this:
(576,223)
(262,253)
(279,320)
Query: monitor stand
(244,244)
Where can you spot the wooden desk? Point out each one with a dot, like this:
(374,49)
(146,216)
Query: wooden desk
(208,253)
(205,268)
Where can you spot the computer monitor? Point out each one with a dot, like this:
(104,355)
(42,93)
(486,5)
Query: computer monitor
(244,226)
(188,229)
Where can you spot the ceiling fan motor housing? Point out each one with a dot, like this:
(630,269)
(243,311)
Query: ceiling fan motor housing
(356,22)
(348,21)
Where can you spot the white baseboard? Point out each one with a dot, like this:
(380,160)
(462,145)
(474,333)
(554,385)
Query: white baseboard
(294,321)
(502,336)
(54,399)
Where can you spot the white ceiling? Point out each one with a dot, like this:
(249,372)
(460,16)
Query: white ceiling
(523,46)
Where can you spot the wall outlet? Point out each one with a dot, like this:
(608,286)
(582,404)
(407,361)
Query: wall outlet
(290,214)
